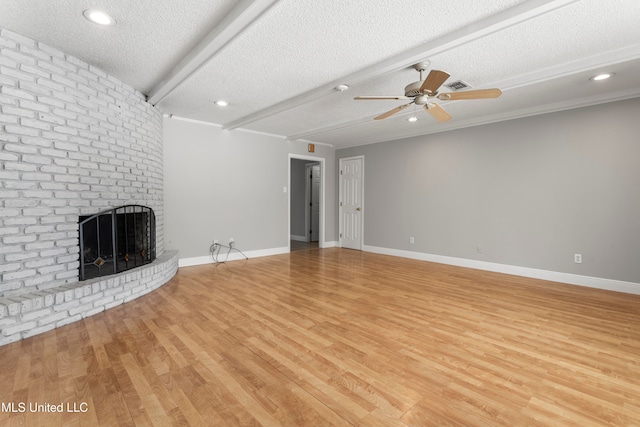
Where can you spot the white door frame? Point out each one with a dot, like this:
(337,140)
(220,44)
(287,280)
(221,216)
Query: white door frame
(307,200)
(308,191)
(321,242)
(340,224)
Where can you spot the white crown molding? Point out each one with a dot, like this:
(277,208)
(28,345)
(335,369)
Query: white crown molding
(185,119)
(257,132)
(553,276)
(309,141)
(339,126)
(602,60)
(217,125)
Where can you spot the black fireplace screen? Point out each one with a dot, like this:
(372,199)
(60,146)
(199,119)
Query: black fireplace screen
(116,240)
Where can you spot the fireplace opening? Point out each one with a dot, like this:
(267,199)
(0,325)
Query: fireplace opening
(116,240)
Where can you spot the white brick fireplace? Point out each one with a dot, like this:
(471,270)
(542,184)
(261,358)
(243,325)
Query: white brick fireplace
(73,141)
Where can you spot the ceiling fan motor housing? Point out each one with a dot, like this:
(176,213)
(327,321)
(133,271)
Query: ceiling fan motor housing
(413,89)
(421,99)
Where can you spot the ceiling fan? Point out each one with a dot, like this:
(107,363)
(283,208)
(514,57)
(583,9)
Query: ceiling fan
(423,90)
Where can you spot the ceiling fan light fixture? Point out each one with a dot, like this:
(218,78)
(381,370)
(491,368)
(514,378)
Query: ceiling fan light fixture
(99,17)
(603,76)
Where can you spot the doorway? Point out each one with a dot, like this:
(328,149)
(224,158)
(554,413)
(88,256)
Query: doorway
(306,202)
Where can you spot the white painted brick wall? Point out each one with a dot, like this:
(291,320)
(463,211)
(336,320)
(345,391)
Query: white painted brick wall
(73,141)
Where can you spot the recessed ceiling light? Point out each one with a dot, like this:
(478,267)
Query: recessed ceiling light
(412,119)
(602,76)
(98,17)
(221,103)
(342,87)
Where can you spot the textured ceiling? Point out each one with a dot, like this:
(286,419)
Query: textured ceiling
(277,61)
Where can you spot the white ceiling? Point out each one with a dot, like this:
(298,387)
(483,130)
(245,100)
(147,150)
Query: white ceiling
(277,62)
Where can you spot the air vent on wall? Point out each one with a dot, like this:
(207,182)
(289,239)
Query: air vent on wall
(458,85)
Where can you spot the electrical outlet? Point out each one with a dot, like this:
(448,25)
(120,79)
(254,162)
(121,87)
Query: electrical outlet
(478,249)
(215,242)
(231,240)
(577,258)
(412,240)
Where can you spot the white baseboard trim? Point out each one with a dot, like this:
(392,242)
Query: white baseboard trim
(331,244)
(298,238)
(553,276)
(233,256)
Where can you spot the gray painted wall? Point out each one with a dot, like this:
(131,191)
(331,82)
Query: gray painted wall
(530,192)
(221,184)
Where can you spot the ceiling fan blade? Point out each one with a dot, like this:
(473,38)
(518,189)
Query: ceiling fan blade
(437,112)
(361,98)
(392,112)
(470,94)
(434,80)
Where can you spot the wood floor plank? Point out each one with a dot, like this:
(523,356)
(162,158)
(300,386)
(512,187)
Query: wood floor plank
(152,408)
(339,337)
(243,397)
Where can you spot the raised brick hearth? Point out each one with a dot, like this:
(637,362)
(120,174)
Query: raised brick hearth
(73,141)
(36,312)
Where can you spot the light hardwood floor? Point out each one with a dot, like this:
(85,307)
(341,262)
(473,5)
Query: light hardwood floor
(339,337)
(302,246)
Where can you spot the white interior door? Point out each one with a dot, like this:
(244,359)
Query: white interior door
(351,202)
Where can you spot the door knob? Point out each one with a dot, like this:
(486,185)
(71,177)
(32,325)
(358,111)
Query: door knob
(358,209)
